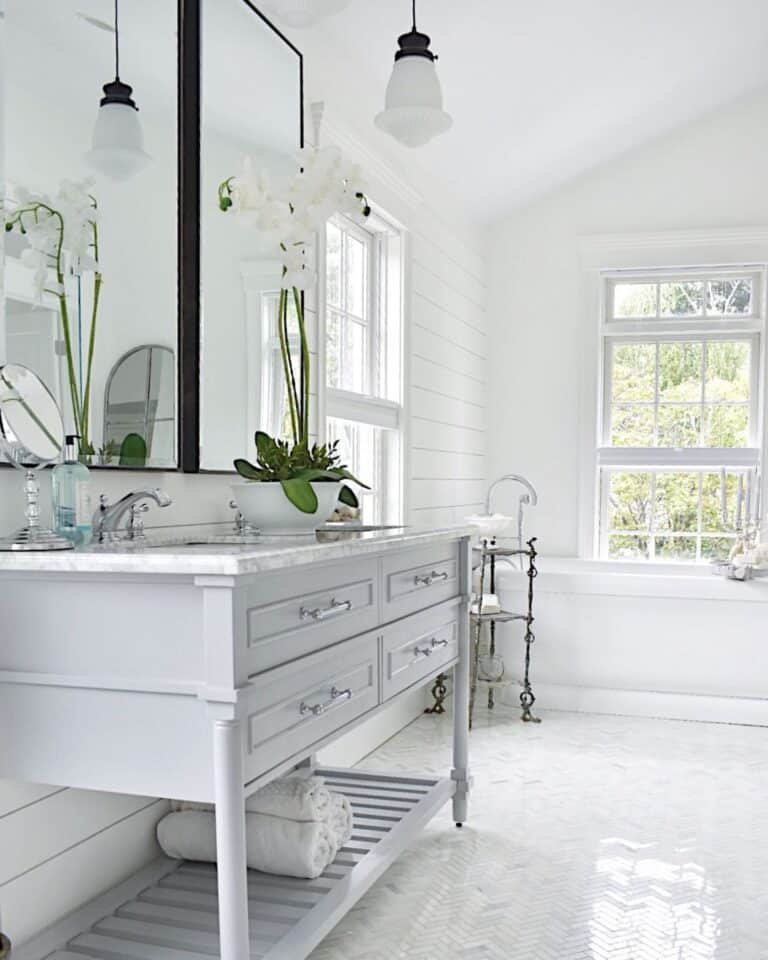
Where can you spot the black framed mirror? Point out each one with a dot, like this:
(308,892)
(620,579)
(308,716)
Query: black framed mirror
(91,192)
(246,100)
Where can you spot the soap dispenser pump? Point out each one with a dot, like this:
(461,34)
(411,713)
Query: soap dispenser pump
(71,489)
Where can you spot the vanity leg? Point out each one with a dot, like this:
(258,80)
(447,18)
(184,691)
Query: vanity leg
(230,840)
(460,772)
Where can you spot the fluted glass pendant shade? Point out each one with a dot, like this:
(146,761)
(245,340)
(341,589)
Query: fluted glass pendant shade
(117,150)
(413,106)
(303,13)
(118,141)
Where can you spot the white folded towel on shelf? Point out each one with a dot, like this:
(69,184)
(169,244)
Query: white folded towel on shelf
(289,848)
(340,819)
(296,797)
(490,604)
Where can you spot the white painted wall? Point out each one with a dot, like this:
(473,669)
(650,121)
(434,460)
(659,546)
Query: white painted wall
(708,175)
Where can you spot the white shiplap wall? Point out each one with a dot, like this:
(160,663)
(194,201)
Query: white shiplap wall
(448,350)
(60,848)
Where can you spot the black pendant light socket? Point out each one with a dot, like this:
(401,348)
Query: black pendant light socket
(118,92)
(414,44)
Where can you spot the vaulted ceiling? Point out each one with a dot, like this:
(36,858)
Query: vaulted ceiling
(544,90)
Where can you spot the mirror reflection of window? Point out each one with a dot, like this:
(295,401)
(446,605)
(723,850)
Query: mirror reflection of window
(242,58)
(56,59)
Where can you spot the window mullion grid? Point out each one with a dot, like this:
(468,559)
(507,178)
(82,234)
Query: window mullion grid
(700,514)
(702,397)
(656,397)
(652,520)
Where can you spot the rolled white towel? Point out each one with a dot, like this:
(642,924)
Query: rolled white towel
(289,848)
(340,819)
(293,798)
(296,797)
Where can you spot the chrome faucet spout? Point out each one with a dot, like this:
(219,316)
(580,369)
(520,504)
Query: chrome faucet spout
(531,498)
(107,518)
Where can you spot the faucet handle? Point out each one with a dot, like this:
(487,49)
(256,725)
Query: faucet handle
(134,529)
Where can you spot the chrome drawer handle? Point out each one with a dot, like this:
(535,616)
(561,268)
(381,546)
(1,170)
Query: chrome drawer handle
(428,651)
(427,581)
(317,708)
(325,613)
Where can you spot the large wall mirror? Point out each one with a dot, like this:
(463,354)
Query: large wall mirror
(115,377)
(250,106)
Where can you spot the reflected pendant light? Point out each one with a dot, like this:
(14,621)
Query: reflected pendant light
(303,13)
(413,108)
(118,142)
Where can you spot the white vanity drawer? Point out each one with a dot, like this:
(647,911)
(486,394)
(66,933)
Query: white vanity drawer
(415,579)
(294,706)
(419,646)
(302,610)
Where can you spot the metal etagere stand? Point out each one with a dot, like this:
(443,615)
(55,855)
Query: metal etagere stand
(488,670)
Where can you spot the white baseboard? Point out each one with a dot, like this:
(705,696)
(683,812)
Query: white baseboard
(648,703)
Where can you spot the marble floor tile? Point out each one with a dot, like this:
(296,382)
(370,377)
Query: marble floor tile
(589,838)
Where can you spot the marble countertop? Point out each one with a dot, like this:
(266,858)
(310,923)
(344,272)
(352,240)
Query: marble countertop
(199,552)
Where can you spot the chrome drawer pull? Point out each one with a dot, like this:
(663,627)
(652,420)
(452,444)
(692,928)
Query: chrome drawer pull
(428,651)
(427,581)
(317,708)
(325,613)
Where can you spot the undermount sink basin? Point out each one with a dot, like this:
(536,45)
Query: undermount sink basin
(221,542)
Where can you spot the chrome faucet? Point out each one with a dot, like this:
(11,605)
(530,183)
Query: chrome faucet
(106,520)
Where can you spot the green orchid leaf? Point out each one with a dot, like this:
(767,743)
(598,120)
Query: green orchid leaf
(264,444)
(315,473)
(301,494)
(344,474)
(247,470)
(349,497)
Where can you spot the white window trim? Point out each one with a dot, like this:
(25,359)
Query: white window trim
(631,255)
(346,405)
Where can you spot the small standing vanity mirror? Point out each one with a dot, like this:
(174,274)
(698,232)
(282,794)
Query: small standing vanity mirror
(31,437)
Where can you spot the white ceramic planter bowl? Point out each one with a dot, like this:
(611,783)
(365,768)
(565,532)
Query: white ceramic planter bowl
(266,506)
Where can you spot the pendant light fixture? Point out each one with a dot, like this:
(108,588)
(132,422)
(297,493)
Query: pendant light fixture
(413,111)
(303,13)
(118,142)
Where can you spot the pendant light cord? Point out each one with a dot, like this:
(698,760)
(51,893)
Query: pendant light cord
(117,45)
(414,15)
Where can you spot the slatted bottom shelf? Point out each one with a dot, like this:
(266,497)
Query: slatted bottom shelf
(176,918)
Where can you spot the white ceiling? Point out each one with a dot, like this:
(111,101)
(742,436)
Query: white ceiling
(541,91)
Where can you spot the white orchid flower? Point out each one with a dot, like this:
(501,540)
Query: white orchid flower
(37,261)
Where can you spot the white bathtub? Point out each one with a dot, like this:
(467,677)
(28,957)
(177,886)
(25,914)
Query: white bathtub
(665,641)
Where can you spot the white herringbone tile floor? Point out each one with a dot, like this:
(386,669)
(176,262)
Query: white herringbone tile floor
(589,838)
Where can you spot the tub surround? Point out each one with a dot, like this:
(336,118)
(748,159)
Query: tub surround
(223,667)
(674,641)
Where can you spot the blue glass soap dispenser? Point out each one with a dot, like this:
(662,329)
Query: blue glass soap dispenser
(71,490)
